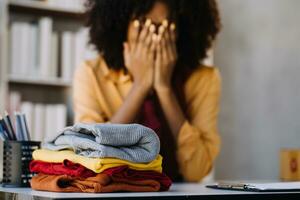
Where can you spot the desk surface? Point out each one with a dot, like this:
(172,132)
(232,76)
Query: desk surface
(177,191)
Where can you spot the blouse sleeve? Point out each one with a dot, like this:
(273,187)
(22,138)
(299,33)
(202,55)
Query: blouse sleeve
(86,106)
(198,139)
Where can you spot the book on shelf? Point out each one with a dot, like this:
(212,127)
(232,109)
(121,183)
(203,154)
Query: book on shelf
(53,72)
(19,43)
(68,4)
(28,109)
(37,51)
(14,100)
(43,120)
(44,52)
(39,119)
(67,54)
(76,5)
(33,49)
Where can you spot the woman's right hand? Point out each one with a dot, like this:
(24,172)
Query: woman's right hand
(139,54)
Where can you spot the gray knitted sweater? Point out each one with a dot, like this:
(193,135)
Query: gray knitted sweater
(131,142)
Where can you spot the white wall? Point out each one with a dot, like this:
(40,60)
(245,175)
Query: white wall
(258,54)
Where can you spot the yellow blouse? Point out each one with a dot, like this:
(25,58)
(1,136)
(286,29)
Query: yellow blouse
(99,92)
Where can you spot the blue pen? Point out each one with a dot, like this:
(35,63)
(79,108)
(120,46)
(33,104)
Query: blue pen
(19,131)
(2,133)
(26,134)
(5,130)
(9,126)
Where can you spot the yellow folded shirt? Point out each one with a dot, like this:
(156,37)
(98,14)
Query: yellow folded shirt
(97,165)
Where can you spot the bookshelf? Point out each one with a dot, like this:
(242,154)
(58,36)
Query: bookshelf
(3,52)
(41,8)
(37,87)
(57,82)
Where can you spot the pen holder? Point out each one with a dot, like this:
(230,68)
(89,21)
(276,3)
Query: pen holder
(14,166)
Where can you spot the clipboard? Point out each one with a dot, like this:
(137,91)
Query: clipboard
(258,187)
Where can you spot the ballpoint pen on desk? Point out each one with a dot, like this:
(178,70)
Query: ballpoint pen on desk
(19,130)
(25,127)
(21,127)
(5,128)
(3,135)
(7,131)
(9,126)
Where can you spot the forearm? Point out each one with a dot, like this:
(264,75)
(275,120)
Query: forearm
(132,103)
(172,110)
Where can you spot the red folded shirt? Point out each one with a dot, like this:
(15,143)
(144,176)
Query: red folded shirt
(122,173)
(67,167)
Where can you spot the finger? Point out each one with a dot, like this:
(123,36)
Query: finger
(168,44)
(152,47)
(158,59)
(161,30)
(135,33)
(126,54)
(143,35)
(125,48)
(164,52)
(149,37)
(173,31)
(154,42)
(167,35)
(165,23)
(173,38)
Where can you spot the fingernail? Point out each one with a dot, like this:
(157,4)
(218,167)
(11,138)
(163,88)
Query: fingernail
(165,23)
(172,27)
(161,29)
(136,23)
(148,22)
(152,28)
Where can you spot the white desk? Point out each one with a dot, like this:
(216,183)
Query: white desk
(177,191)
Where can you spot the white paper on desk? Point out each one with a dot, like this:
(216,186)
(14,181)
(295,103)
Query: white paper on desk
(275,186)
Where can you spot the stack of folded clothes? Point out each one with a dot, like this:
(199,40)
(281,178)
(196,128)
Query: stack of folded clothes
(100,158)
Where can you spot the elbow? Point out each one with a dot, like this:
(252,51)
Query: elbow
(198,165)
(197,173)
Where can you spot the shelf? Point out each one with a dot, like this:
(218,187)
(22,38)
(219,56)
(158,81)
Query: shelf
(41,82)
(42,8)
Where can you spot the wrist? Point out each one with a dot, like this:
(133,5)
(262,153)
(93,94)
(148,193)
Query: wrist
(141,88)
(164,90)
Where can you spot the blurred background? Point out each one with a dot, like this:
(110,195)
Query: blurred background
(41,43)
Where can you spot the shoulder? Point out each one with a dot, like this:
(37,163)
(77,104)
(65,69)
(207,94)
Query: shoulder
(91,67)
(204,76)
(202,81)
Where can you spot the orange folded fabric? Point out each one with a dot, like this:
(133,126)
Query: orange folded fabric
(101,183)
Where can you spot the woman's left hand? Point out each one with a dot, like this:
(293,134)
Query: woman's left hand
(166,57)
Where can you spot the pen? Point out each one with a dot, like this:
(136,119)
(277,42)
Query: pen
(19,130)
(239,186)
(4,127)
(2,133)
(25,130)
(10,128)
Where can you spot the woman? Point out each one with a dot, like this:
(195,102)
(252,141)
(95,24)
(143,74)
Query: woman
(149,72)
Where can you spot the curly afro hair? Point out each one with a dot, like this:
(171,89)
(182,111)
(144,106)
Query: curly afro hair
(198,24)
